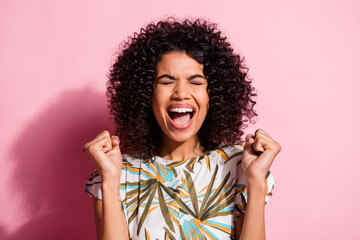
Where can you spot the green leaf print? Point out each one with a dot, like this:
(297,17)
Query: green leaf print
(192,192)
(165,210)
(146,210)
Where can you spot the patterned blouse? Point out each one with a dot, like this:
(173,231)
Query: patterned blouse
(199,198)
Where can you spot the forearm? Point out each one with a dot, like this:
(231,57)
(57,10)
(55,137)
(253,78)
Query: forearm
(254,221)
(114,225)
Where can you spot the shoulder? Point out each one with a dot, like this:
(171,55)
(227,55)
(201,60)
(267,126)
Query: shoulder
(229,152)
(226,157)
(129,159)
(232,148)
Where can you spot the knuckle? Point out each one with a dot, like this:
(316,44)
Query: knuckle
(257,143)
(259,131)
(277,146)
(84,148)
(91,148)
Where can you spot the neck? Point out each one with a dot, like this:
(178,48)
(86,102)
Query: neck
(180,151)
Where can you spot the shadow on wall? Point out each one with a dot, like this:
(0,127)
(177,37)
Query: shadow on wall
(51,168)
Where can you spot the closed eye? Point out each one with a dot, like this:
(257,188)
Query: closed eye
(165,83)
(196,83)
(197,79)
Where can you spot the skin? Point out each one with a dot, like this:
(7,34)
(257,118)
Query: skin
(180,79)
(105,154)
(259,153)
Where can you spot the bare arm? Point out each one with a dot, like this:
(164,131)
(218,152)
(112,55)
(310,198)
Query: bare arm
(259,152)
(114,223)
(97,207)
(98,212)
(239,225)
(119,221)
(251,225)
(105,153)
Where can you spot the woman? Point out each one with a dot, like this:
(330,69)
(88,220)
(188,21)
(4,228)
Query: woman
(180,97)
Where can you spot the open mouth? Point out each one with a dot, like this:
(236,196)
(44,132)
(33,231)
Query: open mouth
(181,116)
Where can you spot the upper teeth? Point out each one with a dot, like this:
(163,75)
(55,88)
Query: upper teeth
(181,110)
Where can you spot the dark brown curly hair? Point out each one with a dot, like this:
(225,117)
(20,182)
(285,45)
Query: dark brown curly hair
(131,79)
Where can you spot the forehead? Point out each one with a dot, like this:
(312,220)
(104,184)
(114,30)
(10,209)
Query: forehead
(178,62)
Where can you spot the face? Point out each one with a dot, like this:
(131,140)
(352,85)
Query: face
(180,98)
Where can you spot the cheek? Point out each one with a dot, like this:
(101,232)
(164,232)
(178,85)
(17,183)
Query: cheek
(155,107)
(158,105)
(205,101)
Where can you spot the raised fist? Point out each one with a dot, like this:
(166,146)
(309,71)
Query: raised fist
(104,151)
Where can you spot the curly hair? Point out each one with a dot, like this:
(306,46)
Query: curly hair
(131,77)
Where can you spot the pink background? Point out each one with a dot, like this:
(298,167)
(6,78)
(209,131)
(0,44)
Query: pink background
(303,56)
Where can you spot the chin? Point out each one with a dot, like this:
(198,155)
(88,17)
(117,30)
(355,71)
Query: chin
(181,137)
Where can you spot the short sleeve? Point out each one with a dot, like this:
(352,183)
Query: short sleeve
(241,191)
(93,185)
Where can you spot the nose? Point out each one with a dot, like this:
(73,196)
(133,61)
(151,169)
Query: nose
(182,90)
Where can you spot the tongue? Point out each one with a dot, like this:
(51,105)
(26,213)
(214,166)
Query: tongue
(181,118)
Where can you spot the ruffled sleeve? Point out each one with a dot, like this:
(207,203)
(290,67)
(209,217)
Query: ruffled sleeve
(241,190)
(93,185)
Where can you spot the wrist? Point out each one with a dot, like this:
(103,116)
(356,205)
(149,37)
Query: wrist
(110,177)
(256,185)
(110,182)
(110,187)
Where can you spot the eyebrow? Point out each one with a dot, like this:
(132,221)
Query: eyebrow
(173,78)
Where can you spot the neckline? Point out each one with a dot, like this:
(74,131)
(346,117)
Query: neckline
(169,161)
